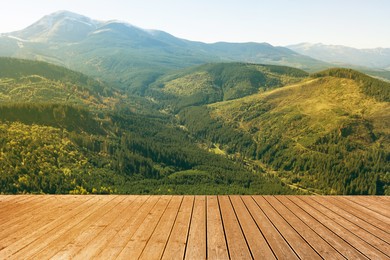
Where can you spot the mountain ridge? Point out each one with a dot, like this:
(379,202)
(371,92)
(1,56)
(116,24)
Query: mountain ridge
(129,55)
(326,132)
(52,145)
(377,58)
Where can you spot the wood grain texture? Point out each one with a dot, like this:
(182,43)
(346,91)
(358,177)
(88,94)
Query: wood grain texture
(194,227)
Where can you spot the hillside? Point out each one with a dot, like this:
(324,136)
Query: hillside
(32,81)
(62,132)
(128,55)
(216,82)
(329,132)
(127,154)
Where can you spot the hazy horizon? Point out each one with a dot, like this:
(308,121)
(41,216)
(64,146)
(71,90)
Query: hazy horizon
(359,24)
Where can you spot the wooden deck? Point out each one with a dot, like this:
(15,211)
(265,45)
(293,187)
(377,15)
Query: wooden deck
(194,227)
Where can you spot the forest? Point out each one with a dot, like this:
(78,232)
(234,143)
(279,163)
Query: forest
(220,128)
(126,154)
(345,151)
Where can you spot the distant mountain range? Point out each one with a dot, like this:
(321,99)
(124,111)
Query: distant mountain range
(378,58)
(131,56)
(152,114)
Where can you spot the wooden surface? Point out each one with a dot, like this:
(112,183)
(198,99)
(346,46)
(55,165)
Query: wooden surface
(194,227)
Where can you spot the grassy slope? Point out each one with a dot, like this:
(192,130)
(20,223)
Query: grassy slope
(325,103)
(220,81)
(31,81)
(313,121)
(49,145)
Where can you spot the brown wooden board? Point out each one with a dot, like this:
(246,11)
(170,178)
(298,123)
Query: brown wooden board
(278,244)
(157,242)
(137,242)
(237,245)
(177,241)
(322,230)
(313,239)
(255,238)
(216,241)
(110,232)
(378,206)
(193,227)
(293,238)
(320,213)
(196,244)
(117,244)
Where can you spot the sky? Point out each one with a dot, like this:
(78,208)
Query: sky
(354,23)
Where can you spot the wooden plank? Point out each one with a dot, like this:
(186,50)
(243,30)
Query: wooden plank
(29,210)
(116,245)
(19,208)
(5,198)
(279,246)
(255,239)
(312,238)
(136,244)
(96,245)
(376,200)
(17,221)
(59,228)
(216,241)
(177,241)
(347,220)
(237,245)
(377,206)
(360,201)
(72,241)
(374,203)
(12,205)
(376,219)
(28,238)
(155,227)
(351,212)
(318,212)
(298,244)
(196,243)
(157,242)
(17,232)
(334,240)
(14,198)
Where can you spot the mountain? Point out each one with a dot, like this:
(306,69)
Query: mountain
(58,27)
(378,58)
(329,132)
(32,81)
(218,128)
(130,56)
(216,82)
(63,132)
(162,115)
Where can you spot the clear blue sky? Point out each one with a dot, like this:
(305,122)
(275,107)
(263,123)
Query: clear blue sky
(355,23)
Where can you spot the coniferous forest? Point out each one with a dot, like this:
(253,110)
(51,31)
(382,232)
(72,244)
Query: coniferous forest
(215,128)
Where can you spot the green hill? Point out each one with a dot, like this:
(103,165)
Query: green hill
(329,132)
(33,81)
(230,128)
(130,154)
(130,56)
(62,132)
(216,82)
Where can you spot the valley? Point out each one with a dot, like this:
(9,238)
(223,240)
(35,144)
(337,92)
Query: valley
(101,107)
